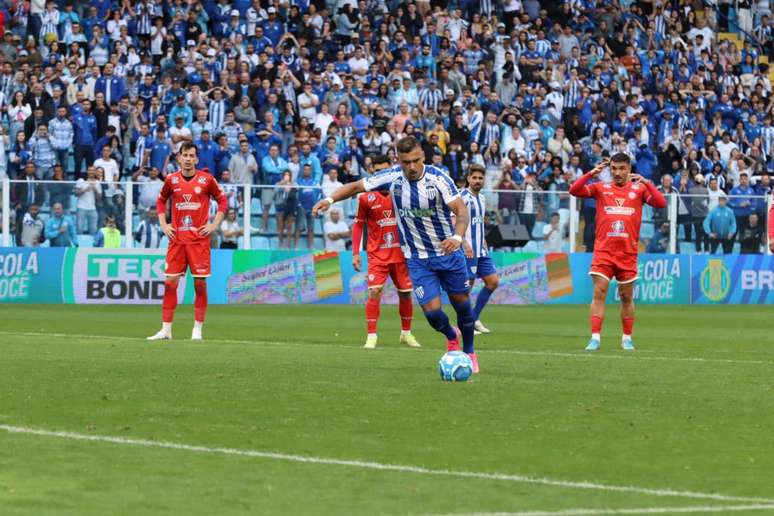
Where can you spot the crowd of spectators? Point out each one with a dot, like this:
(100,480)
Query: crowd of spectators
(302,95)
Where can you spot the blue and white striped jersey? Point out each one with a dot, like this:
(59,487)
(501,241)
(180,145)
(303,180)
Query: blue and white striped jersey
(424,217)
(475,234)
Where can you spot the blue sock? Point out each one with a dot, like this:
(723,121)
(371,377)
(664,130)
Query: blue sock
(481,301)
(466,320)
(440,322)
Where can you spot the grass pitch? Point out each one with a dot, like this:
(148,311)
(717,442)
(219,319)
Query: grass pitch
(691,410)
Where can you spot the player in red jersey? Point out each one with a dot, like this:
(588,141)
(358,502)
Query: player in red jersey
(771,227)
(385,258)
(189,235)
(619,216)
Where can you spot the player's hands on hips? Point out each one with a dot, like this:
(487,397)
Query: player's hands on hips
(168,230)
(450,245)
(207,229)
(320,207)
(467,249)
(357,262)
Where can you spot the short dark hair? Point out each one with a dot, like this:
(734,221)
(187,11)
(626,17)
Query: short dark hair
(621,157)
(187,146)
(380,159)
(407,144)
(477,167)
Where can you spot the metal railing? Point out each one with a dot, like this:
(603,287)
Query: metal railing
(264,223)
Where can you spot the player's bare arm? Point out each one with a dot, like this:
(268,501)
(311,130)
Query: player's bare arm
(462,219)
(345,192)
(466,247)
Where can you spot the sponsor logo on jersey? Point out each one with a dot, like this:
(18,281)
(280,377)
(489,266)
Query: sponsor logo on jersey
(371,197)
(618,230)
(416,212)
(187,205)
(201,180)
(619,210)
(175,180)
(371,277)
(186,224)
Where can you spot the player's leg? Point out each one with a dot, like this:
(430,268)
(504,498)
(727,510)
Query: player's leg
(453,274)
(597,314)
(175,267)
(402,281)
(373,309)
(627,276)
(626,293)
(488,274)
(427,289)
(199,260)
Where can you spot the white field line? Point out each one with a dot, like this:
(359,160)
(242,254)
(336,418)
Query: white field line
(644,510)
(637,355)
(418,470)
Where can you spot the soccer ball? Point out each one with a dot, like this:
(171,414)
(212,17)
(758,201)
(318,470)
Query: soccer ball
(455,366)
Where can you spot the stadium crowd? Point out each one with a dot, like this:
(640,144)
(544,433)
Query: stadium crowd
(299,97)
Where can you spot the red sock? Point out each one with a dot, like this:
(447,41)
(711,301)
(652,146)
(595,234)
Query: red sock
(200,301)
(628,325)
(406,310)
(170,301)
(372,314)
(596,324)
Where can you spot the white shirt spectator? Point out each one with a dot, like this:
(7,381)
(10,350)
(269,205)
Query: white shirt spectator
(180,131)
(322,121)
(87,198)
(552,242)
(112,174)
(335,227)
(230,226)
(149,191)
(725,149)
(310,113)
(328,186)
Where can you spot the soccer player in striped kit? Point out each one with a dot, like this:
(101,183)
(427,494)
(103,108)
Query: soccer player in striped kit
(425,198)
(480,264)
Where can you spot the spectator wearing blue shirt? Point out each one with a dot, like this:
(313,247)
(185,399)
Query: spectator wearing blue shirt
(207,150)
(273,28)
(159,156)
(85,136)
(181,108)
(309,158)
(720,225)
(742,200)
(272,168)
(61,131)
(109,85)
(60,230)
(308,194)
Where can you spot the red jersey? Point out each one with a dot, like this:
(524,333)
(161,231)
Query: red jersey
(619,212)
(771,223)
(375,209)
(190,203)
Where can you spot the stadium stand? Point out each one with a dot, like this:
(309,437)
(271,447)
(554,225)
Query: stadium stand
(103,92)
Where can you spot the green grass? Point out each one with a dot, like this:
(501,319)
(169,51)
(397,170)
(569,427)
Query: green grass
(691,409)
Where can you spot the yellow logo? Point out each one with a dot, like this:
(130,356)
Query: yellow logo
(715,281)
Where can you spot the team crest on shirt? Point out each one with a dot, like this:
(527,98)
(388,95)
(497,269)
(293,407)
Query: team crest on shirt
(202,180)
(430,193)
(632,195)
(197,190)
(371,197)
(371,277)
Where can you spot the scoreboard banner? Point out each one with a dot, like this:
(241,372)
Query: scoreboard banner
(127,276)
(745,279)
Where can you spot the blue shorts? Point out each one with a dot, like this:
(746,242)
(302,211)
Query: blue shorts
(480,267)
(430,275)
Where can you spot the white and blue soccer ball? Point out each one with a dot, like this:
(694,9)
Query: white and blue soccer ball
(455,366)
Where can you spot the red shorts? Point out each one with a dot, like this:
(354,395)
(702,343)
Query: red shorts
(621,267)
(378,272)
(193,255)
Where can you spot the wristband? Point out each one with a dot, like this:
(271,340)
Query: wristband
(457,238)
(330,200)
